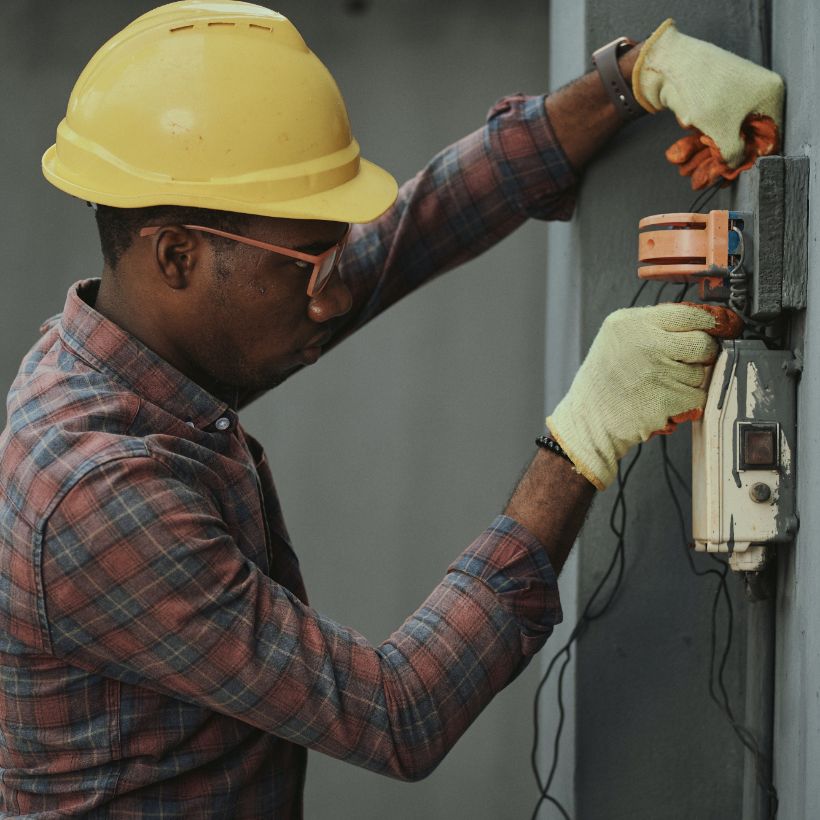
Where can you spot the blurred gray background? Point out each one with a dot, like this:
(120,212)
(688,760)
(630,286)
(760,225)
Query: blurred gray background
(393,452)
(397,449)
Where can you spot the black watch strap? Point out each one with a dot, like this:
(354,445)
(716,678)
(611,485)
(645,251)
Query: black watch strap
(605,60)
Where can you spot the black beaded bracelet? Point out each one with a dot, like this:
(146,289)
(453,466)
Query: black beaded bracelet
(547,443)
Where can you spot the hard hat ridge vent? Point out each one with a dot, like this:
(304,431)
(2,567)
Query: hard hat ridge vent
(181,108)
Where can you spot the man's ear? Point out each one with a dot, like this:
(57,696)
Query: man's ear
(177,252)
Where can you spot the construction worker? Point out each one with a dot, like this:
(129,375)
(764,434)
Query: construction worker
(159,655)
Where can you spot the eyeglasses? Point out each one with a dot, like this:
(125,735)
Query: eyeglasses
(323,265)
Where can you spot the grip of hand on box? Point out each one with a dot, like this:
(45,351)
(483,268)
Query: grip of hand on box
(728,325)
(733,106)
(645,370)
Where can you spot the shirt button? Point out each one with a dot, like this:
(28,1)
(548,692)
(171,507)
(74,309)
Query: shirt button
(222,424)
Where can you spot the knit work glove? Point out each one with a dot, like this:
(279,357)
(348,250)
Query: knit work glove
(734,106)
(644,373)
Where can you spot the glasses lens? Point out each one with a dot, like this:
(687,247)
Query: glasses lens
(326,267)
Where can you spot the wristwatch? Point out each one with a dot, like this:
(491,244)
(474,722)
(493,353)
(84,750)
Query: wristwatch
(605,59)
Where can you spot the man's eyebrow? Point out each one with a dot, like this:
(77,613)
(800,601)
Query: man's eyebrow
(317,247)
(314,248)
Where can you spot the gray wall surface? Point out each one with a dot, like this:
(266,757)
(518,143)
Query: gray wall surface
(646,740)
(401,446)
(795,34)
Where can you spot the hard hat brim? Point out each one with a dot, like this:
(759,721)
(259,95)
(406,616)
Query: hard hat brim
(361,199)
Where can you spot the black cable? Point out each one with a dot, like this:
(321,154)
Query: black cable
(617,524)
(706,196)
(680,479)
(685,288)
(658,295)
(743,734)
(722,590)
(587,616)
(638,293)
(764,26)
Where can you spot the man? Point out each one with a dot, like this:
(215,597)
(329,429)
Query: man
(159,656)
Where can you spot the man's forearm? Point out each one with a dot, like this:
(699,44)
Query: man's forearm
(551,501)
(582,115)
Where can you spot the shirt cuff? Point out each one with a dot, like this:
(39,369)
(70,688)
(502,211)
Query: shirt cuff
(509,560)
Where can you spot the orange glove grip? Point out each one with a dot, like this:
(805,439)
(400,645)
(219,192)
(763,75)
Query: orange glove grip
(728,325)
(697,156)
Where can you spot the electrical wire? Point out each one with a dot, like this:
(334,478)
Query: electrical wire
(743,734)
(618,560)
(617,523)
(764,28)
(706,196)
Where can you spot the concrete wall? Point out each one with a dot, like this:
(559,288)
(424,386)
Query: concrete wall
(795,30)
(392,454)
(648,742)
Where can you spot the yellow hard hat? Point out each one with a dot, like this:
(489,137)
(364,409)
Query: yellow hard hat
(214,105)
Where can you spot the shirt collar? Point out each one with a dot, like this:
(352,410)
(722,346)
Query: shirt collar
(110,349)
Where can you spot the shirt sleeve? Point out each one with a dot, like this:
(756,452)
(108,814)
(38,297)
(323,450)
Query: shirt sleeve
(143,583)
(469,197)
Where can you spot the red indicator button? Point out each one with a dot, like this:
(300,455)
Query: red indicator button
(758,446)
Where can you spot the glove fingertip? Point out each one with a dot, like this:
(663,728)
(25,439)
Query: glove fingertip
(733,153)
(685,316)
(695,414)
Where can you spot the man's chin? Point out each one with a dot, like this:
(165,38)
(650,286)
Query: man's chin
(268,381)
(260,383)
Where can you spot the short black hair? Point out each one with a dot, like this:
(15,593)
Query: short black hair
(118,227)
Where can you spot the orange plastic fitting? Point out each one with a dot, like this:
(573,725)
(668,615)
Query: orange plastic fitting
(684,248)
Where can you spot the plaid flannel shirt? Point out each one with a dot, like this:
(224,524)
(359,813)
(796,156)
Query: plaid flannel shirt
(158,657)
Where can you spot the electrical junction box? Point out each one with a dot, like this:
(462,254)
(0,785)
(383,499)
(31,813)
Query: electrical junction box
(755,262)
(769,240)
(743,456)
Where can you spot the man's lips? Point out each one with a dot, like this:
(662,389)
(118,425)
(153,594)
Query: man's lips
(311,352)
(321,340)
